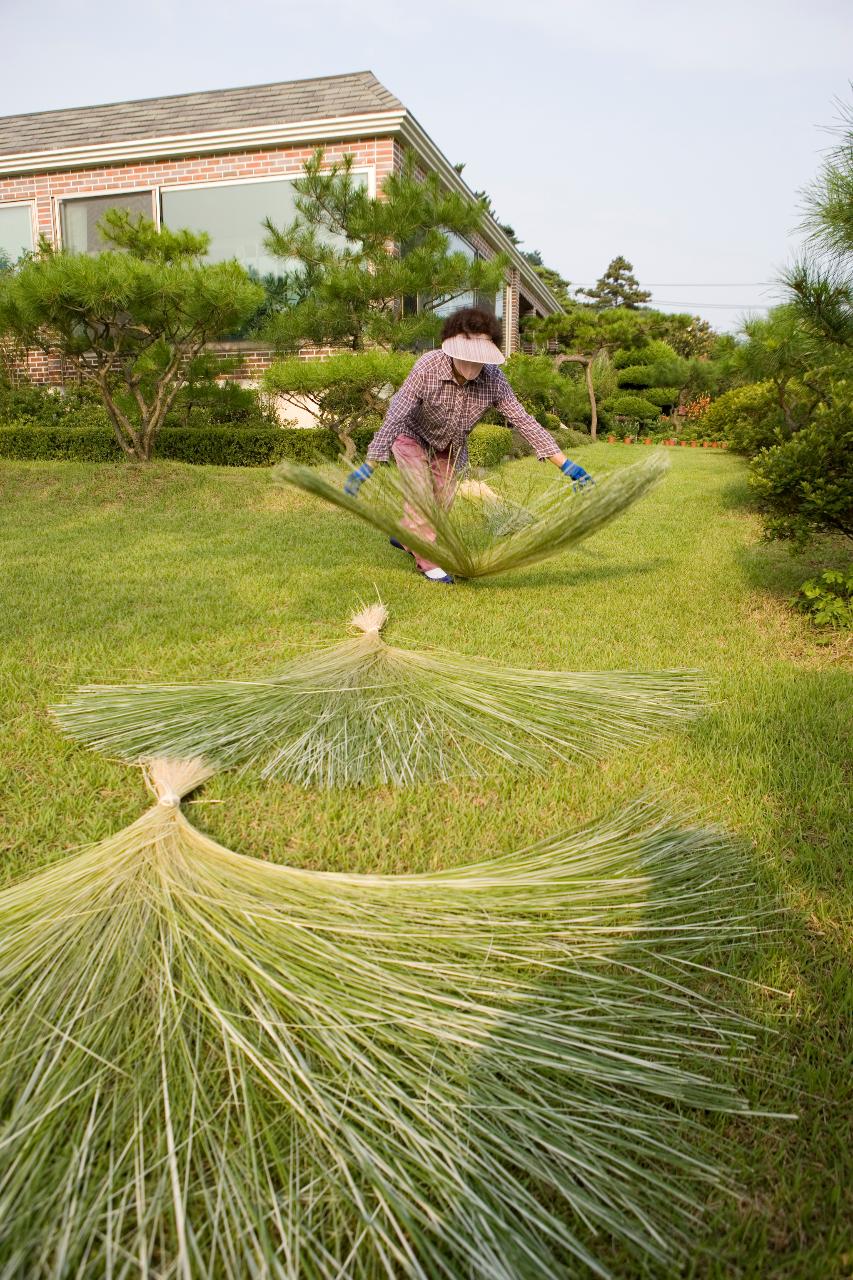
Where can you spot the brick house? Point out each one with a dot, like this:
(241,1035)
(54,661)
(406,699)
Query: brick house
(220,162)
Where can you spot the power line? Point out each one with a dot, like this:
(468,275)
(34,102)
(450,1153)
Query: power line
(727,306)
(693,284)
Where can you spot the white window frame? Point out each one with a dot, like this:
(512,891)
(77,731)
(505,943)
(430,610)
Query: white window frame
(58,201)
(34,226)
(294,176)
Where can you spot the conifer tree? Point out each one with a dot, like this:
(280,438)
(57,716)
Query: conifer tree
(618,287)
(133,320)
(375,268)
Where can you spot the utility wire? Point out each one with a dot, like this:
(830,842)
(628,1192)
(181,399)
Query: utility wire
(693,284)
(683,302)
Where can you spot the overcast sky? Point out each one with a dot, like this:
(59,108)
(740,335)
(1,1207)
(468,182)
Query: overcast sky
(676,134)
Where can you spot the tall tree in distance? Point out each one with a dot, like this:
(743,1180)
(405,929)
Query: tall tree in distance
(618,287)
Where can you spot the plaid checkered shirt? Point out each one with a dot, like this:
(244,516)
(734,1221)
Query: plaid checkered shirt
(433,408)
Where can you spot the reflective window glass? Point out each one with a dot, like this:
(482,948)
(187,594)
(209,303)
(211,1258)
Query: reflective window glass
(80,218)
(16,231)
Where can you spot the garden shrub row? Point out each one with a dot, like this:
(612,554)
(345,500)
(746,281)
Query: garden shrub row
(214,446)
(225,446)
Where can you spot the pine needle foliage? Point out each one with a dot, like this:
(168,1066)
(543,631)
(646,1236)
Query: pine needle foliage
(366,712)
(215,1066)
(468,544)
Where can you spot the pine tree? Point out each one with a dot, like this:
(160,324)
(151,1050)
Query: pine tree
(618,287)
(374,268)
(134,320)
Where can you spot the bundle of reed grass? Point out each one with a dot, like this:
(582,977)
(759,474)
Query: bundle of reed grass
(368,712)
(469,542)
(212,1066)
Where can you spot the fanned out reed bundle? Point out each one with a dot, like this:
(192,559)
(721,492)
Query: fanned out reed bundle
(368,712)
(214,1066)
(469,542)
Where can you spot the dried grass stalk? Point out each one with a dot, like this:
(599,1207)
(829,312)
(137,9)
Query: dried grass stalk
(212,1066)
(481,535)
(368,712)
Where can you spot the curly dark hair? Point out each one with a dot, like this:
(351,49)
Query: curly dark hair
(469,321)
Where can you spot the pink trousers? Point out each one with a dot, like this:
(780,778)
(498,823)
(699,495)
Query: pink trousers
(423,470)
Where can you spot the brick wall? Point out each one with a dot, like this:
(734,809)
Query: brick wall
(46,189)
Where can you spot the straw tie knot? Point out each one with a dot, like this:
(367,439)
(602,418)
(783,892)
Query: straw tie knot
(370,620)
(170,780)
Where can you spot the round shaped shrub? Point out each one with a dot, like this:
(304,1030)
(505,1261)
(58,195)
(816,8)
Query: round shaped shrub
(628,406)
(749,418)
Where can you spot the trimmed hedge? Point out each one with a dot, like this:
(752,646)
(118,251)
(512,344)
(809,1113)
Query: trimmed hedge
(23,442)
(651,353)
(362,436)
(213,446)
(489,445)
(663,397)
(628,406)
(232,446)
(638,375)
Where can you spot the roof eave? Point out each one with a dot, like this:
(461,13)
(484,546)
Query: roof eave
(370,124)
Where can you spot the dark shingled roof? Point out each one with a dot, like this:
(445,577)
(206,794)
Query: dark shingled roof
(358,93)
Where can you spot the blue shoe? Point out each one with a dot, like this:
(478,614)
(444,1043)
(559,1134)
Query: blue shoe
(395,542)
(436,575)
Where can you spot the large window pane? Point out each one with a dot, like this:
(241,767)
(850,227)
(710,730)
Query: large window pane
(233,217)
(456,244)
(16,231)
(80,218)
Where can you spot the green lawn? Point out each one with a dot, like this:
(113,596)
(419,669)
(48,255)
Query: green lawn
(115,573)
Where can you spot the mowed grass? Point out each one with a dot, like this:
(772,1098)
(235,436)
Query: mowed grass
(116,573)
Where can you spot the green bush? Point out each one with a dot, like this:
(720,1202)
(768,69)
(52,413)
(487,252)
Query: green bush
(215,404)
(347,391)
(247,446)
(805,485)
(571,437)
(489,445)
(628,406)
(364,433)
(547,392)
(650,353)
(748,417)
(663,397)
(637,375)
(42,406)
(214,446)
(828,600)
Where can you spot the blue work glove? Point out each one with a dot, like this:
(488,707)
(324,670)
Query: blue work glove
(576,473)
(356,479)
